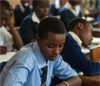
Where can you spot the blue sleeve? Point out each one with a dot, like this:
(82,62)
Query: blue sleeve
(62,70)
(19,72)
(72,54)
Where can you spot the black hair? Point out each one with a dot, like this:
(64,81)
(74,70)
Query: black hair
(36,2)
(50,24)
(74,22)
(5,4)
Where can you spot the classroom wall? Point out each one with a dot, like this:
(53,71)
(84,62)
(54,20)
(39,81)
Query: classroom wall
(15,2)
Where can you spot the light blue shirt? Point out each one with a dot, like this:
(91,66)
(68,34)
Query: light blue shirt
(24,68)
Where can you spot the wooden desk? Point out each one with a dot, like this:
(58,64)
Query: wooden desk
(7,56)
(90,80)
(96,32)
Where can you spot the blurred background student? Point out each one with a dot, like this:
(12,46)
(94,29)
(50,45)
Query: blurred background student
(71,10)
(8,40)
(56,6)
(21,10)
(29,25)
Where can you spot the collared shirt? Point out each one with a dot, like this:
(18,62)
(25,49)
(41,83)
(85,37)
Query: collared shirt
(35,18)
(57,4)
(22,7)
(6,38)
(76,38)
(76,9)
(24,68)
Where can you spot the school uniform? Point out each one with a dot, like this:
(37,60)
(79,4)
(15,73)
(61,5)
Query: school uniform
(67,13)
(72,54)
(28,28)
(24,68)
(20,12)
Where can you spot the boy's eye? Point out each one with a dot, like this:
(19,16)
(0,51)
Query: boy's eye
(61,45)
(50,46)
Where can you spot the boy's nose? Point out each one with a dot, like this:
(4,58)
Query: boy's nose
(56,51)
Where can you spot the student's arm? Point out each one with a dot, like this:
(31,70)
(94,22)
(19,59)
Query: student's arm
(93,14)
(66,74)
(73,55)
(20,70)
(73,81)
(3,49)
(15,35)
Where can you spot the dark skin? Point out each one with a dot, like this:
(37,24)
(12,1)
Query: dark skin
(26,3)
(51,48)
(84,32)
(42,10)
(5,17)
(63,2)
(74,2)
(3,49)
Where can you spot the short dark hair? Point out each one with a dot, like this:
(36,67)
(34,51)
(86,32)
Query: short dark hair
(50,24)
(36,2)
(74,22)
(5,4)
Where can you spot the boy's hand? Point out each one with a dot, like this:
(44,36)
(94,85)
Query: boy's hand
(3,49)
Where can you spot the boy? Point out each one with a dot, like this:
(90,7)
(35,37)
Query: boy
(25,68)
(29,25)
(80,34)
(11,40)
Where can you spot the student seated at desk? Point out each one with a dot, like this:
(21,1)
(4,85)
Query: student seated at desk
(12,39)
(25,67)
(29,25)
(80,33)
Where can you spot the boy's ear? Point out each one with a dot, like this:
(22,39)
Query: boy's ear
(80,25)
(38,38)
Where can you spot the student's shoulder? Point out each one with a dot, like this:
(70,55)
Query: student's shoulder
(16,7)
(27,19)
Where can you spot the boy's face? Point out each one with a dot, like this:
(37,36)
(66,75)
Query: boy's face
(75,2)
(52,46)
(63,2)
(4,15)
(26,3)
(42,9)
(86,34)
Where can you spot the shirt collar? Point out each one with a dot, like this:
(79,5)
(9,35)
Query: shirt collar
(76,9)
(57,4)
(22,8)
(39,56)
(35,18)
(76,38)
(2,28)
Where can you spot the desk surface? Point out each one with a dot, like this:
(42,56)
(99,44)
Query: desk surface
(95,44)
(7,56)
(90,80)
